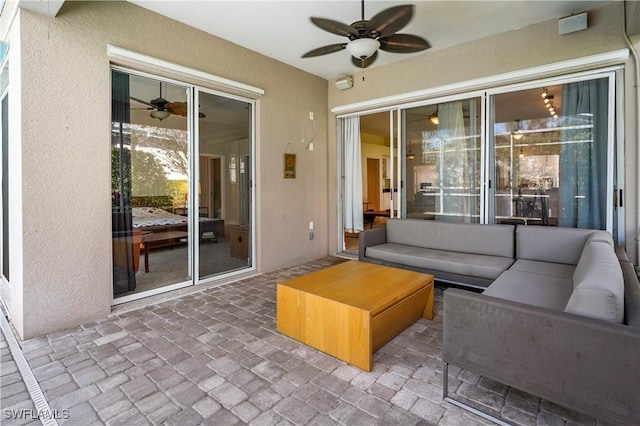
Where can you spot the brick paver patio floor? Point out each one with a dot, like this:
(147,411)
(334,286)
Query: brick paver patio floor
(214,357)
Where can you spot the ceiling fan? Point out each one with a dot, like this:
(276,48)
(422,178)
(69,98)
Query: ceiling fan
(367,36)
(161,108)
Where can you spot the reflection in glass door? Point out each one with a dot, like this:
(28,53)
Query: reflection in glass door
(443,161)
(552,161)
(224,191)
(149,184)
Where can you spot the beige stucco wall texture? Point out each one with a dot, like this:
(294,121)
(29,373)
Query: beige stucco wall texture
(64,168)
(528,47)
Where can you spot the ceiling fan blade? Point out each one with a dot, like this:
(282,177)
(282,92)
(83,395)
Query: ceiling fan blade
(177,108)
(364,63)
(141,101)
(403,43)
(325,50)
(389,21)
(180,108)
(335,27)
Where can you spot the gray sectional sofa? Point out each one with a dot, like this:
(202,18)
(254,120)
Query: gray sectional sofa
(558,317)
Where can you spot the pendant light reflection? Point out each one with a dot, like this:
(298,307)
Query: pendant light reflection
(410,155)
(518,134)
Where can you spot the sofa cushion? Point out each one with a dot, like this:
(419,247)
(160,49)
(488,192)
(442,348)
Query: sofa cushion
(476,265)
(598,285)
(551,244)
(533,289)
(560,270)
(492,240)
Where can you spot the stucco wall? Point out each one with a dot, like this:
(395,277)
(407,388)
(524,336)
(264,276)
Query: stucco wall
(528,47)
(66,156)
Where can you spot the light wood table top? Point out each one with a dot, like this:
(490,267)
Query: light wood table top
(351,309)
(360,284)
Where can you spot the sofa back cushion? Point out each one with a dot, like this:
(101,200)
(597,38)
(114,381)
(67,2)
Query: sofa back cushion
(598,284)
(556,245)
(491,240)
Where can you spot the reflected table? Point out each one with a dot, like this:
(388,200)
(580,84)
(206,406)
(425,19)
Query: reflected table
(151,237)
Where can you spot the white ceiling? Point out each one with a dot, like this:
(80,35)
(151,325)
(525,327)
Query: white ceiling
(282,29)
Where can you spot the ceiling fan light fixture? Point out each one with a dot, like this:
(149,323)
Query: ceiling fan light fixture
(362,48)
(160,114)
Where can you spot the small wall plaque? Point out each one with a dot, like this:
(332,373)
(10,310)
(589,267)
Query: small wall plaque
(289,166)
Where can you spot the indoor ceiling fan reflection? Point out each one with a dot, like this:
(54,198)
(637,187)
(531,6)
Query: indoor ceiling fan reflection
(161,108)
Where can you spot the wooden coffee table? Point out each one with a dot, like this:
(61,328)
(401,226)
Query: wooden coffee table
(352,309)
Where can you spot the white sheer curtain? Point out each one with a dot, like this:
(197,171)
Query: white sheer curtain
(451,121)
(350,135)
(455,178)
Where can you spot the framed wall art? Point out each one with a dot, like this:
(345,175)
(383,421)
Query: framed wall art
(289,166)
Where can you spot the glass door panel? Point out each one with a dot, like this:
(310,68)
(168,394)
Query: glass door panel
(150,181)
(443,161)
(224,191)
(551,155)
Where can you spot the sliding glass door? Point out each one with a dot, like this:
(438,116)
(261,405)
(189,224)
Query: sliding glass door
(536,153)
(553,155)
(224,185)
(180,184)
(150,183)
(443,161)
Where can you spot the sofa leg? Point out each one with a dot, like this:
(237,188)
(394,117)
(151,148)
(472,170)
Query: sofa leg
(447,398)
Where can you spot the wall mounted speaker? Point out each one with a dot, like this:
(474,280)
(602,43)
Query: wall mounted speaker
(344,83)
(573,23)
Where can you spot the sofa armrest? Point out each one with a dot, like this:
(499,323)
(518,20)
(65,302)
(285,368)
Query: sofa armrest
(586,364)
(621,253)
(631,296)
(370,237)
